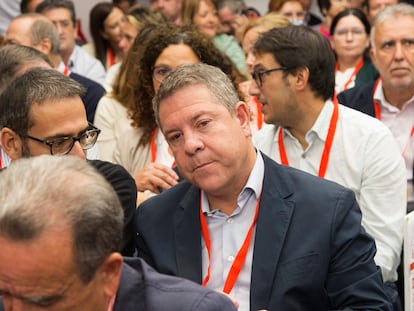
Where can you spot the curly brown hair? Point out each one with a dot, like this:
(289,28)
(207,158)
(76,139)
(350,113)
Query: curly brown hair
(135,89)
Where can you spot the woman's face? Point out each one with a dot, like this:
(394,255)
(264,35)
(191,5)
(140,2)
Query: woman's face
(248,42)
(113,26)
(206,19)
(294,11)
(349,38)
(172,57)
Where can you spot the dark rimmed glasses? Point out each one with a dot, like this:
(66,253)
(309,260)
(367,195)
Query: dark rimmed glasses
(63,145)
(258,75)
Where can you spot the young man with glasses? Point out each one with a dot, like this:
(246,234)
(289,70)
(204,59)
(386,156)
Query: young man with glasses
(41,112)
(294,80)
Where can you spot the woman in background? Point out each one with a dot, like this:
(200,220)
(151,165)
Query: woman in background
(106,23)
(203,15)
(350,41)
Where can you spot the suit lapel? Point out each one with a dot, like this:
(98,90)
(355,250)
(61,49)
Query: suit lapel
(275,212)
(188,236)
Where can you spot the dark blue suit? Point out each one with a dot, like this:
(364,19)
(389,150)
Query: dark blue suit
(310,251)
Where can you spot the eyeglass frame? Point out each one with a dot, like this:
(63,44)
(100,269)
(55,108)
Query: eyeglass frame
(75,139)
(257,75)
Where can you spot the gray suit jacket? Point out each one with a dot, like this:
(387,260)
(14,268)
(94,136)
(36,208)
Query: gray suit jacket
(310,251)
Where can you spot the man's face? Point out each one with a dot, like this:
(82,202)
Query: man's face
(67,30)
(227,19)
(211,146)
(393,52)
(171,9)
(41,274)
(376,6)
(275,94)
(17,32)
(54,119)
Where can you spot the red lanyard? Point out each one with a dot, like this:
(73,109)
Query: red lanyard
(110,57)
(65,70)
(259,113)
(377,107)
(1,163)
(154,147)
(377,110)
(328,144)
(241,254)
(354,73)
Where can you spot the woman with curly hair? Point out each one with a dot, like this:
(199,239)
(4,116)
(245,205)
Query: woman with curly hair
(142,149)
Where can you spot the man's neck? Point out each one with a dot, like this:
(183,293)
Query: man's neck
(397,96)
(55,59)
(309,117)
(225,200)
(66,56)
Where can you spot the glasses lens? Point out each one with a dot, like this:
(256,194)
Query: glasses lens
(257,78)
(61,145)
(88,139)
(160,73)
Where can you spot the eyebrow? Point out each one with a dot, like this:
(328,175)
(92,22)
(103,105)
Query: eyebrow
(60,135)
(35,300)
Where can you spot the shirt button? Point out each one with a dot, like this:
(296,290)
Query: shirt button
(230,258)
(230,220)
(303,155)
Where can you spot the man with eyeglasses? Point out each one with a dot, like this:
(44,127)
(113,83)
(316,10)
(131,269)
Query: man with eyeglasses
(41,112)
(294,80)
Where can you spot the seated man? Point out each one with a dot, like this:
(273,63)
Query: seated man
(271,236)
(48,117)
(60,231)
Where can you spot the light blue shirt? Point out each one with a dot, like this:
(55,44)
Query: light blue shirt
(227,234)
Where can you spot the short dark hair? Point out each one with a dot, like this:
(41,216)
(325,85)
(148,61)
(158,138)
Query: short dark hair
(58,4)
(355,12)
(296,47)
(38,85)
(13,58)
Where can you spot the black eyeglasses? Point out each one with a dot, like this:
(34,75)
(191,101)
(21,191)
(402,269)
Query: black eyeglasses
(258,75)
(63,145)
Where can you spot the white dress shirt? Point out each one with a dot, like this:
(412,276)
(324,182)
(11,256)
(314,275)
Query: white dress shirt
(365,158)
(85,65)
(400,123)
(227,234)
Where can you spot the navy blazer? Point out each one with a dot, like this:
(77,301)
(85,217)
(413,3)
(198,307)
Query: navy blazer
(360,98)
(143,289)
(310,251)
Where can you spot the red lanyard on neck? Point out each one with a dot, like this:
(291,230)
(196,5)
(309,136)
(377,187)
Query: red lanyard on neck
(377,107)
(328,143)
(1,162)
(110,57)
(65,70)
(241,254)
(154,147)
(354,73)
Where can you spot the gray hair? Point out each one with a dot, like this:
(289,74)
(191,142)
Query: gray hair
(43,28)
(13,58)
(38,85)
(392,12)
(235,6)
(217,82)
(45,192)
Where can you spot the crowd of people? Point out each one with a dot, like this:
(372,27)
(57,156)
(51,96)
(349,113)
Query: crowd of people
(202,155)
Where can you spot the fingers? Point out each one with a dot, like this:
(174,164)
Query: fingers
(154,177)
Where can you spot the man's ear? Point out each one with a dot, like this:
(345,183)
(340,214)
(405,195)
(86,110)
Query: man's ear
(110,274)
(243,114)
(11,143)
(300,79)
(45,46)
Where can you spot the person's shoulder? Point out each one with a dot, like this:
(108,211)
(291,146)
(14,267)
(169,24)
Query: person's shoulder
(170,293)
(87,83)
(112,171)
